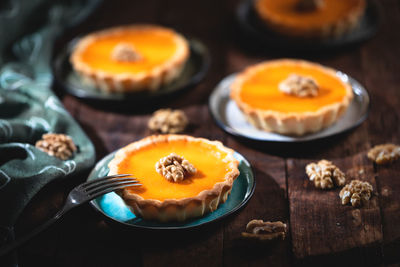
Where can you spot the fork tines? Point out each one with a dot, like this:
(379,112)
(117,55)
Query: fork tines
(109,183)
(107,178)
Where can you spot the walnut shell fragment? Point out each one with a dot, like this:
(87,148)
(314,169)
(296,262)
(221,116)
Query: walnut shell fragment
(356,192)
(385,153)
(265,231)
(57,145)
(325,174)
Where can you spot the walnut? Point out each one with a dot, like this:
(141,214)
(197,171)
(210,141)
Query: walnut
(385,153)
(57,145)
(325,174)
(356,192)
(168,121)
(125,52)
(300,86)
(174,168)
(309,5)
(264,231)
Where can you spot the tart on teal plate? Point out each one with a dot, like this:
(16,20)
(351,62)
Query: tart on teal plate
(212,192)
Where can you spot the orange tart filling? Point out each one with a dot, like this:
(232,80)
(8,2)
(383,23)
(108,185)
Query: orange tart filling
(155,48)
(131,58)
(311,18)
(261,90)
(213,172)
(291,96)
(207,158)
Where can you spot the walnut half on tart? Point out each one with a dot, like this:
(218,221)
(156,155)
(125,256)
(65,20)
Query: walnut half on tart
(182,177)
(292,97)
(130,58)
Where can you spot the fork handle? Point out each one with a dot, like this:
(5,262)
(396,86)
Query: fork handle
(22,240)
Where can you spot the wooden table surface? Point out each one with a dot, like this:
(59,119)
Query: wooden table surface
(322,231)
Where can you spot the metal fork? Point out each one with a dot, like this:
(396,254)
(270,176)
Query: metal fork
(81,194)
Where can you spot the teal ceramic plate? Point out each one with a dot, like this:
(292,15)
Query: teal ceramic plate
(112,206)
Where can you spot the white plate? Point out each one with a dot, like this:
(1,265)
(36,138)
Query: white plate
(231,119)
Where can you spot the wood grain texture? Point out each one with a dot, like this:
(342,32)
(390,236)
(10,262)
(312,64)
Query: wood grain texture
(322,231)
(389,190)
(384,123)
(269,203)
(321,225)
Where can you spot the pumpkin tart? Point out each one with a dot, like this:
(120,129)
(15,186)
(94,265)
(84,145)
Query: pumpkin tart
(292,97)
(310,18)
(161,199)
(130,58)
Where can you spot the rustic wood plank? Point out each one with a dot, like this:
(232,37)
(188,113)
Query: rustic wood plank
(320,225)
(198,247)
(86,240)
(389,185)
(384,122)
(44,205)
(268,203)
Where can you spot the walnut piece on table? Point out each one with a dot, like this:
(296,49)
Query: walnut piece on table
(175,168)
(300,86)
(325,174)
(356,192)
(57,145)
(168,121)
(385,153)
(265,231)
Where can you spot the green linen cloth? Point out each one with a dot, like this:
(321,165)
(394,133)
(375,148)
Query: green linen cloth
(29,108)
(25,114)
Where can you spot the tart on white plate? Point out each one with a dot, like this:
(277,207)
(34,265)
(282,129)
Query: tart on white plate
(292,97)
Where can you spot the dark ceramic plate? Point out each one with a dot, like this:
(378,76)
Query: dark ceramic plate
(113,208)
(250,24)
(229,117)
(194,71)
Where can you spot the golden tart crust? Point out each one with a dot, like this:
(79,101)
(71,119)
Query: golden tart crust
(156,64)
(332,19)
(256,92)
(163,200)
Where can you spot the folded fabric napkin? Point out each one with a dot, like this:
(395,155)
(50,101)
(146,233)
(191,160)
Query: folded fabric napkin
(29,108)
(25,115)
